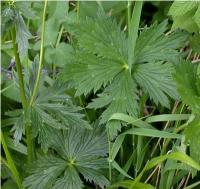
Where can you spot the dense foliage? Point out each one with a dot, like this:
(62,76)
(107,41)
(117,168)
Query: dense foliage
(100,94)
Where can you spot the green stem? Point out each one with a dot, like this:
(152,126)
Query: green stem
(19,71)
(129,16)
(41,57)
(133,27)
(22,93)
(10,163)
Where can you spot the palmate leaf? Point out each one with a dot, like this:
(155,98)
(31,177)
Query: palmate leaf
(52,109)
(100,63)
(79,151)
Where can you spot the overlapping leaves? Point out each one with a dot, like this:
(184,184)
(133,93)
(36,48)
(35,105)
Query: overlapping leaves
(79,151)
(52,109)
(101,62)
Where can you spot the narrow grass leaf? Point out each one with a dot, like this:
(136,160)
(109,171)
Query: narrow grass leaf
(168,117)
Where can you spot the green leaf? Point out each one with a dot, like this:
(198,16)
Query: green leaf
(22,34)
(127,184)
(168,117)
(185,15)
(59,13)
(97,41)
(156,80)
(176,156)
(70,180)
(179,8)
(116,146)
(118,168)
(62,52)
(27,11)
(105,50)
(87,66)
(9,184)
(188,84)
(193,185)
(19,129)
(94,176)
(131,120)
(151,133)
(11,90)
(179,156)
(197,17)
(194,43)
(19,147)
(78,151)
(53,108)
(44,172)
(192,133)
(153,45)
(124,100)
(59,55)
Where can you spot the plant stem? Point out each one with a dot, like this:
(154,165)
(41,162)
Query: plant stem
(41,57)
(19,71)
(133,26)
(22,94)
(10,163)
(129,16)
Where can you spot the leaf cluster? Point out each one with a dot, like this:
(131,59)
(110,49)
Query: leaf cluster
(100,65)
